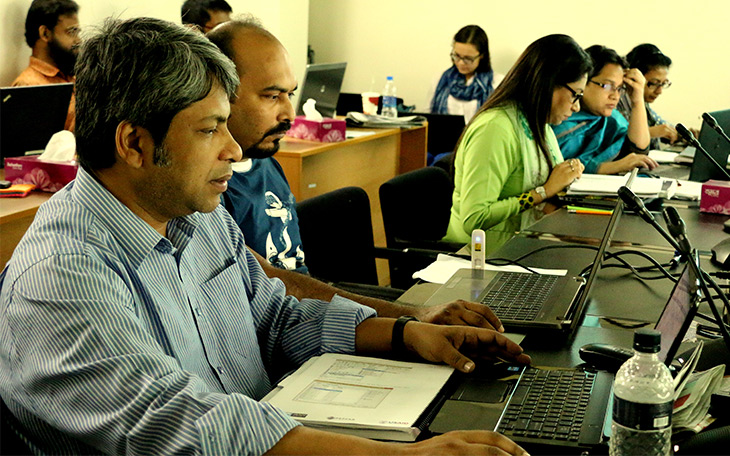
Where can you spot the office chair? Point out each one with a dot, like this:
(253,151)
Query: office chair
(337,235)
(416,207)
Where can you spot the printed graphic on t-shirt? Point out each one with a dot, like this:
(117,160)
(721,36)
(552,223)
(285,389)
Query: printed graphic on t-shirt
(278,241)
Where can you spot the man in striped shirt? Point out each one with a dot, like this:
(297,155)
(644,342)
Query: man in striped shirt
(134,320)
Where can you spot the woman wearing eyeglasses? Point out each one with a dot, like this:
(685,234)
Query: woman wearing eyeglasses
(654,65)
(599,133)
(464,87)
(508,160)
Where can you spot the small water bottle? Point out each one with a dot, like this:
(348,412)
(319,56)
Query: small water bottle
(643,395)
(390,108)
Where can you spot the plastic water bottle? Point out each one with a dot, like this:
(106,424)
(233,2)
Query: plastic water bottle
(643,395)
(390,108)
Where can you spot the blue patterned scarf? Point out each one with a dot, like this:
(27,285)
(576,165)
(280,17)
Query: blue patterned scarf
(454,83)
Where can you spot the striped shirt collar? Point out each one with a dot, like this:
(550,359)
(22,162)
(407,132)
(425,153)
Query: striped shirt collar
(133,234)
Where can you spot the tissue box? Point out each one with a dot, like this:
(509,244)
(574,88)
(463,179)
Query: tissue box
(47,176)
(328,130)
(715,197)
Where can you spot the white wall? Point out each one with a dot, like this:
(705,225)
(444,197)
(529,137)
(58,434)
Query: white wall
(411,39)
(287,19)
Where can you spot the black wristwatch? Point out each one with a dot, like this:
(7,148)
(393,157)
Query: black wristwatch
(396,342)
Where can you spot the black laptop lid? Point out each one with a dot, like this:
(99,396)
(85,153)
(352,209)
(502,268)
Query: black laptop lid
(30,115)
(444,131)
(716,146)
(322,81)
(678,314)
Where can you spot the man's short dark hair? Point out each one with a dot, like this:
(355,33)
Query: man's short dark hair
(196,11)
(46,12)
(143,71)
(602,56)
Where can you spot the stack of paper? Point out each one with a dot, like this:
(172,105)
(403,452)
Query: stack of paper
(358,119)
(369,397)
(604,185)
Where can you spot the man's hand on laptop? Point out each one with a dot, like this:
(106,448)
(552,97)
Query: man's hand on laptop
(467,442)
(460,312)
(457,345)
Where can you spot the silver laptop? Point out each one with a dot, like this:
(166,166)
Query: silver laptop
(552,407)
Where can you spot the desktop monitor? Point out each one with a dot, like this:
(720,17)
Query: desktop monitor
(322,81)
(702,168)
(30,115)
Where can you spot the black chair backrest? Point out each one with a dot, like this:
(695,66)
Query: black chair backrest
(337,236)
(11,443)
(416,206)
(348,102)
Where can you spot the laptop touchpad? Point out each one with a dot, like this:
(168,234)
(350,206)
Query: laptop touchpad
(481,390)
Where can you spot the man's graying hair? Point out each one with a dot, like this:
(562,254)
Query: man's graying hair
(143,71)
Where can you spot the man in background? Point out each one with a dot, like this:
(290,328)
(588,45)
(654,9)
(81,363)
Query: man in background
(258,192)
(52,32)
(205,14)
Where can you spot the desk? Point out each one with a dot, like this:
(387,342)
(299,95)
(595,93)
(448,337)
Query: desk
(615,295)
(16,215)
(314,168)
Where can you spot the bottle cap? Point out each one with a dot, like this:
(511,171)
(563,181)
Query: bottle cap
(647,340)
(389,78)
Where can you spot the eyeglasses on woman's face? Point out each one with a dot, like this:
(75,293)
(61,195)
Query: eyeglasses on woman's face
(610,87)
(576,95)
(469,60)
(655,85)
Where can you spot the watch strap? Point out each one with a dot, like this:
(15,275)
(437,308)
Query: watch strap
(397,345)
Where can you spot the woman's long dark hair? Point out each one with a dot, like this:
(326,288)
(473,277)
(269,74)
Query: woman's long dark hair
(546,64)
(477,37)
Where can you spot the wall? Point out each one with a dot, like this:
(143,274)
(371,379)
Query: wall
(287,19)
(411,40)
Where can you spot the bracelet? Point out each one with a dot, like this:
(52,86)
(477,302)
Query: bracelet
(526,200)
(396,342)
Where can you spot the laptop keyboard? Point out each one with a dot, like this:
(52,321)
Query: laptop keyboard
(517,296)
(549,404)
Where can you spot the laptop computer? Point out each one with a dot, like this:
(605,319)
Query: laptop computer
(702,168)
(30,115)
(553,407)
(530,302)
(444,131)
(322,81)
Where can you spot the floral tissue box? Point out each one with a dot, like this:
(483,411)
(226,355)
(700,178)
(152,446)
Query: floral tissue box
(715,197)
(47,176)
(327,130)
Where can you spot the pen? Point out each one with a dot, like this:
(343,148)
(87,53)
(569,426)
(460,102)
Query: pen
(588,210)
(582,211)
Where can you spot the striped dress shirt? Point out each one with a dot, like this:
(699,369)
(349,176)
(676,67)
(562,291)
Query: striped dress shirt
(117,340)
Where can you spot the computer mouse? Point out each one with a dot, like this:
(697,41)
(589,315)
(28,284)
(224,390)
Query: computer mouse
(721,254)
(605,356)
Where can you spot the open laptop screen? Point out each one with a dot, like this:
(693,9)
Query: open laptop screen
(702,168)
(322,81)
(30,115)
(677,314)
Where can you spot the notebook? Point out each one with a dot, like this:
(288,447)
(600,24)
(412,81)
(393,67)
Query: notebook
(322,81)
(30,115)
(552,407)
(530,302)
